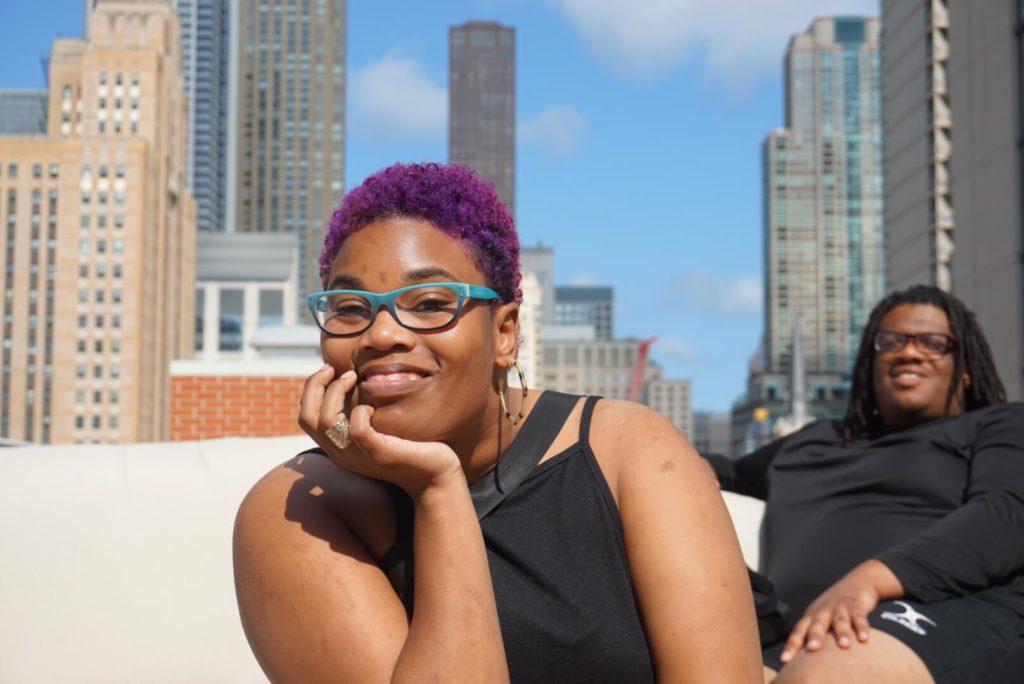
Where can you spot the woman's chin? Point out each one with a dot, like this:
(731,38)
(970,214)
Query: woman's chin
(395,421)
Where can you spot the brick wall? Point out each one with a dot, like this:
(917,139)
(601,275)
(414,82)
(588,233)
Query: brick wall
(207,407)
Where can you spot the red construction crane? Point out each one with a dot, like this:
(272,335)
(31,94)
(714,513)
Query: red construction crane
(636,383)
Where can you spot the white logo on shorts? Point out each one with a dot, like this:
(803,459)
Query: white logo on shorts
(909,618)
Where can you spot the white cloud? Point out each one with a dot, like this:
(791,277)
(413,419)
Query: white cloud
(707,292)
(675,348)
(557,130)
(738,40)
(393,98)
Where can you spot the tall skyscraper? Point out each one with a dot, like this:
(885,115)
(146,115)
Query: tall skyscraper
(952,99)
(98,269)
(823,197)
(205,54)
(290,148)
(823,259)
(482,103)
(919,227)
(987,87)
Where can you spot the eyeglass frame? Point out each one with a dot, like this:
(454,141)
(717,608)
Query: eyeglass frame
(463,292)
(951,342)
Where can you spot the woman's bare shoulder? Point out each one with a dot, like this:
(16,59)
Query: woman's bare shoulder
(628,435)
(629,428)
(313,602)
(308,495)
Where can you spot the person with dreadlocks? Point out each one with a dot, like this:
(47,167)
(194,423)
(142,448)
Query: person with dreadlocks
(896,536)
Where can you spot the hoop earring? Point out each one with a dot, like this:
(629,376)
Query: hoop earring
(522,402)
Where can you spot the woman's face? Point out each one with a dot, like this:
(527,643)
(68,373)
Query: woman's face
(912,384)
(426,386)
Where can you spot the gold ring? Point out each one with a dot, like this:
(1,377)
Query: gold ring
(338,433)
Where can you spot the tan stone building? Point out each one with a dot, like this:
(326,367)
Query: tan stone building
(98,258)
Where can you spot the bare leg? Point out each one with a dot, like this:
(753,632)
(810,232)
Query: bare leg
(882,659)
(769,675)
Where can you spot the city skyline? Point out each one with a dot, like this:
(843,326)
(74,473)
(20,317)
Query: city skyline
(637,161)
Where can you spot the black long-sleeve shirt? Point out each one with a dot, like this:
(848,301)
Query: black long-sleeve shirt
(941,504)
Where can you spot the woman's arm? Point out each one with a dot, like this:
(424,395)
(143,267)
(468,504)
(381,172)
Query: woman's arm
(688,573)
(314,604)
(747,475)
(979,544)
(972,548)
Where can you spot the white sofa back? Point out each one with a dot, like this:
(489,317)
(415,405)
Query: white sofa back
(116,560)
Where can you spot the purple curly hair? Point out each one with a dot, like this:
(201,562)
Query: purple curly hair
(449,197)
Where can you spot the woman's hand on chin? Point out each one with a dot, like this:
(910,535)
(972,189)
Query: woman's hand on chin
(413,466)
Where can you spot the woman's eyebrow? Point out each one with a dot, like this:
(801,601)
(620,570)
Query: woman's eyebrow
(345,282)
(425,273)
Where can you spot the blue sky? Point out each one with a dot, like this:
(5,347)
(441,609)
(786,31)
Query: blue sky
(638,153)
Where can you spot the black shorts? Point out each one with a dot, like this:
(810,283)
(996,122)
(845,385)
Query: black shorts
(961,641)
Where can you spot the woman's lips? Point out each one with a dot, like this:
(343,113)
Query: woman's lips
(907,379)
(386,384)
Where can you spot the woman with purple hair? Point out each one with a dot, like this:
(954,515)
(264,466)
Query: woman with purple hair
(452,528)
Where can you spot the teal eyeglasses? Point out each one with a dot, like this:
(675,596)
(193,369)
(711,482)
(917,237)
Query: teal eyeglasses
(428,306)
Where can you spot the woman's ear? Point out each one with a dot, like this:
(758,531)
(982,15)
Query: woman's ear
(506,323)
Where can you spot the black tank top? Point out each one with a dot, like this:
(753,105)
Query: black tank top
(558,565)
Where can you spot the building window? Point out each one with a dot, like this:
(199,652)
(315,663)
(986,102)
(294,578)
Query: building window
(200,303)
(271,307)
(232,303)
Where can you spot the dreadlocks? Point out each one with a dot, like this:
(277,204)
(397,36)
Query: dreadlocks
(971,354)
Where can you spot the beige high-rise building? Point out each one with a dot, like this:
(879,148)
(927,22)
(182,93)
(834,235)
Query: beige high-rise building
(288,136)
(99,236)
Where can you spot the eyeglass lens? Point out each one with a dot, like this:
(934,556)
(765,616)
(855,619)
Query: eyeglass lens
(937,343)
(421,308)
